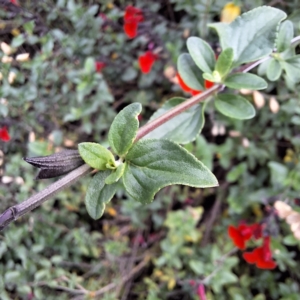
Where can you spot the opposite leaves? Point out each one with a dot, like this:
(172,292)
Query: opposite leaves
(154,164)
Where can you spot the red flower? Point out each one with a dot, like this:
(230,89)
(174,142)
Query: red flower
(185,87)
(207,84)
(15,2)
(99,65)
(261,256)
(4,135)
(132,17)
(240,235)
(146,61)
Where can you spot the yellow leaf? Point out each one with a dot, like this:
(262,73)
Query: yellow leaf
(171,284)
(111,211)
(15,32)
(230,12)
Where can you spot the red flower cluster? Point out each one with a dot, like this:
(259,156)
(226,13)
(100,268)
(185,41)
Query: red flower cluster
(261,256)
(207,84)
(146,61)
(132,17)
(4,135)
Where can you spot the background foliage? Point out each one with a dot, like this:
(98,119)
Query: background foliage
(157,251)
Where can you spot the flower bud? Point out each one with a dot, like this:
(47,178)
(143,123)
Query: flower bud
(6,48)
(11,77)
(6,59)
(22,57)
(258,99)
(274,105)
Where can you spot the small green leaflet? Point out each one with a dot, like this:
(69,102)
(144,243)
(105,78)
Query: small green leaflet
(234,106)
(224,62)
(274,70)
(124,128)
(96,156)
(183,128)
(115,174)
(99,194)
(153,164)
(285,34)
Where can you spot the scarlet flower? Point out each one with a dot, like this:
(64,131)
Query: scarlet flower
(240,235)
(146,61)
(4,135)
(207,84)
(132,17)
(99,65)
(261,256)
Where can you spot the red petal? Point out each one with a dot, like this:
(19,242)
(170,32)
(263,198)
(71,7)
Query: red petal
(245,231)
(133,13)
(4,135)
(266,264)
(252,257)
(146,61)
(185,87)
(257,231)
(236,237)
(208,84)
(130,29)
(99,65)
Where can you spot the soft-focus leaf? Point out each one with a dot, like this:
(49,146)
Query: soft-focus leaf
(252,35)
(154,164)
(224,62)
(190,73)
(124,128)
(285,34)
(234,106)
(202,54)
(245,81)
(274,70)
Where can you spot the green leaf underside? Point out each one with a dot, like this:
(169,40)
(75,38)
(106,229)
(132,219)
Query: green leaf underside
(245,81)
(285,34)
(224,62)
(190,73)
(96,155)
(154,164)
(252,35)
(183,128)
(115,175)
(234,106)
(124,128)
(274,70)
(202,54)
(99,194)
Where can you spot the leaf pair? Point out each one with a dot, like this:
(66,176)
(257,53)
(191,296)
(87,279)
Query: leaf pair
(145,166)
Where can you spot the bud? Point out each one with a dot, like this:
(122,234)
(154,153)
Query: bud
(7,50)
(245,92)
(6,59)
(283,209)
(1,76)
(222,130)
(11,77)
(215,130)
(234,133)
(258,99)
(274,105)
(22,57)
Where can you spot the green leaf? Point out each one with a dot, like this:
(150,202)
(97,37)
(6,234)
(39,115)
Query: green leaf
(234,106)
(115,174)
(291,67)
(202,54)
(190,73)
(274,70)
(124,128)
(252,35)
(99,194)
(285,34)
(96,155)
(154,164)
(183,128)
(245,81)
(209,77)
(89,65)
(224,62)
